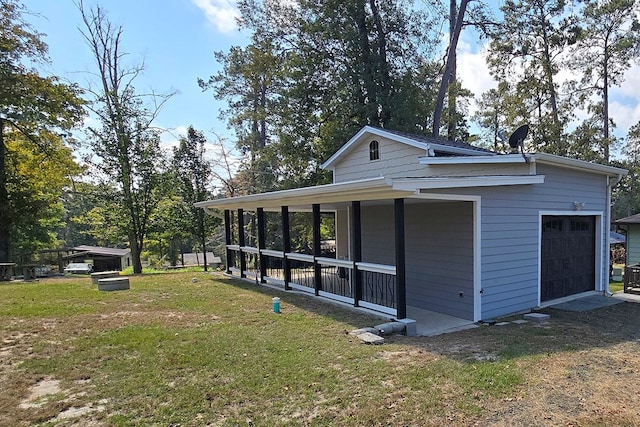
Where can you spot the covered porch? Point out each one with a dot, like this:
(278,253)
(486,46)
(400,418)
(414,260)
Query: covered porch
(258,239)
(392,249)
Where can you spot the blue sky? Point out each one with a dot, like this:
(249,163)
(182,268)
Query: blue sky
(177,39)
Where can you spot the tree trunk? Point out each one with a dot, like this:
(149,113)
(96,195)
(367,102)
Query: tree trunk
(5,220)
(451,126)
(449,64)
(203,237)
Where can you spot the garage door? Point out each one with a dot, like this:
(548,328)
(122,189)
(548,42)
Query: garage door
(568,256)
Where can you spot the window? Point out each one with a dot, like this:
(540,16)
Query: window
(374,154)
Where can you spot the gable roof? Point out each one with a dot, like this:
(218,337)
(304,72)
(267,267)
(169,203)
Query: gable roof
(427,143)
(99,250)
(633,219)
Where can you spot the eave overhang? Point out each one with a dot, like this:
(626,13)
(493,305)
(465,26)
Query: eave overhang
(361,190)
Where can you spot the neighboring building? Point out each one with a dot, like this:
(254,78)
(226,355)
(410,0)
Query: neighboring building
(197,259)
(442,226)
(103,259)
(632,226)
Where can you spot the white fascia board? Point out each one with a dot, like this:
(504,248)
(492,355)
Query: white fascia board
(455,150)
(372,131)
(481,159)
(417,184)
(283,197)
(567,162)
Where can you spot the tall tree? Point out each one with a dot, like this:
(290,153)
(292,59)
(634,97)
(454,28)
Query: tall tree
(325,70)
(126,143)
(526,51)
(33,105)
(193,172)
(608,42)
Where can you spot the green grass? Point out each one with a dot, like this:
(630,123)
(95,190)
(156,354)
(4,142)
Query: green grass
(616,286)
(173,352)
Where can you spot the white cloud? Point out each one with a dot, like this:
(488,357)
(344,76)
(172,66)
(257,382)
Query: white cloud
(473,72)
(221,13)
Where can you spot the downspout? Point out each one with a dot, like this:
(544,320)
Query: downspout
(610,186)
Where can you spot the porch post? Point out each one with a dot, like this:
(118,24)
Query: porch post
(227,238)
(356,230)
(261,244)
(243,258)
(286,246)
(317,269)
(401,295)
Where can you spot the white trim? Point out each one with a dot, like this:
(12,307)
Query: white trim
(552,159)
(376,268)
(483,159)
(417,184)
(422,145)
(233,247)
(270,252)
(336,297)
(598,256)
(298,287)
(249,250)
(477,260)
(299,257)
(577,164)
(381,308)
(334,262)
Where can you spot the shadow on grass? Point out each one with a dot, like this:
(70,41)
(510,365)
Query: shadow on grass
(565,331)
(318,305)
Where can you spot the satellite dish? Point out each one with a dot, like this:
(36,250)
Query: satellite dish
(517,138)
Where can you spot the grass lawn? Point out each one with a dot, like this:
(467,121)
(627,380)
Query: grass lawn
(172,352)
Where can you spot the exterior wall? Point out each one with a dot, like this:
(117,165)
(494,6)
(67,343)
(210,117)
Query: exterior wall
(342,234)
(478,169)
(396,160)
(439,252)
(378,234)
(510,231)
(633,244)
(439,257)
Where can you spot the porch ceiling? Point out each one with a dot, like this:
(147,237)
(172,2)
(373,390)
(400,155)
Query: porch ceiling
(302,198)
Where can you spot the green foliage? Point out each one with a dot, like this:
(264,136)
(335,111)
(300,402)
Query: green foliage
(524,53)
(35,111)
(313,75)
(126,146)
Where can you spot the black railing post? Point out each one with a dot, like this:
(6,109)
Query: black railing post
(286,245)
(401,301)
(317,268)
(227,238)
(356,230)
(261,244)
(243,258)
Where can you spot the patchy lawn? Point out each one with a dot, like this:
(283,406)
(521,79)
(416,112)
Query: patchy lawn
(173,352)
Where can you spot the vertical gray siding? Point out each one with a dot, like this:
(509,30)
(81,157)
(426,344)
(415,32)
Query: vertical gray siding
(439,252)
(342,234)
(378,239)
(439,256)
(633,244)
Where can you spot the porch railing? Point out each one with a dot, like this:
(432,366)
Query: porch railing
(338,277)
(632,279)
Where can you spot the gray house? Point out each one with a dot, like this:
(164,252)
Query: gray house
(428,225)
(632,226)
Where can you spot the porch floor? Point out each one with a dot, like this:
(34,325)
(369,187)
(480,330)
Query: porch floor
(430,323)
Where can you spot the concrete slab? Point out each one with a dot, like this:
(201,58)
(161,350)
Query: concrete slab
(369,338)
(591,302)
(537,317)
(430,323)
